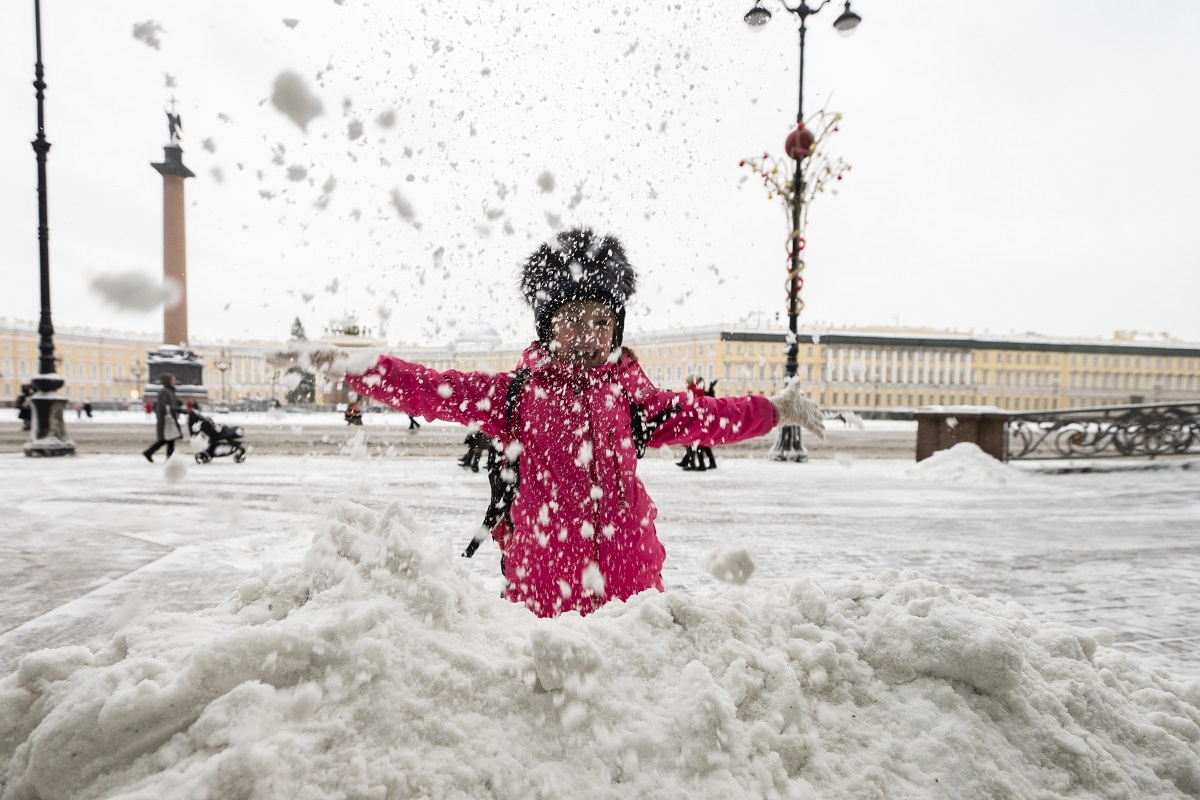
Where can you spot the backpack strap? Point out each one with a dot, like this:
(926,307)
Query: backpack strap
(503,474)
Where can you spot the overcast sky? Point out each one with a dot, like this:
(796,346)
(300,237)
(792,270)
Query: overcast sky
(1014,168)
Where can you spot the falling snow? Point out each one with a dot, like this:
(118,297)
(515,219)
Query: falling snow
(135,291)
(147,32)
(292,98)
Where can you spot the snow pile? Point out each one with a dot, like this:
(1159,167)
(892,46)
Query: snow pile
(381,668)
(964,463)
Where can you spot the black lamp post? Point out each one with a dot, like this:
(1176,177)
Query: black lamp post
(136,371)
(223,366)
(48,435)
(789,446)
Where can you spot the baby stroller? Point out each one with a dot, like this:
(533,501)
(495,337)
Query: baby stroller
(223,440)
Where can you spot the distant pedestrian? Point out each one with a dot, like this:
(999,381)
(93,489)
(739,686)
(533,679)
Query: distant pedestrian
(704,451)
(413,425)
(476,444)
(78,409)
(87,408)
(694,458)
(353,413)
(24,407)
(166,424)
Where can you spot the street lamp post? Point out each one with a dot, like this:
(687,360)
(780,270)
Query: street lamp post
(223,366)
(789,446)
(136,371)
(48,432)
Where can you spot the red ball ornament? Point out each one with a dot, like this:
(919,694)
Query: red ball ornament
(799,142)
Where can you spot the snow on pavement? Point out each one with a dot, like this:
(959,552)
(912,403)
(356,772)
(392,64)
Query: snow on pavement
(374,662)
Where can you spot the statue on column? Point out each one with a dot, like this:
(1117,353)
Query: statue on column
(175,124)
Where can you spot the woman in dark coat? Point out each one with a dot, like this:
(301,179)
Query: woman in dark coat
(166,424)
(24,408)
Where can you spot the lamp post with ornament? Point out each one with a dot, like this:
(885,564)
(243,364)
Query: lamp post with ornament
(799,146)
(48,430)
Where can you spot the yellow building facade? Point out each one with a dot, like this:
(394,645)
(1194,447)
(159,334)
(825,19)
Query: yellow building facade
(869,371)
(108,367)
(885,370)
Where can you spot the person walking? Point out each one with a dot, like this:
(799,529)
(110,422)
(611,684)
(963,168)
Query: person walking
(413,425)
(166,423)
(24,408)
(693,459)
(704,451)
(476,443)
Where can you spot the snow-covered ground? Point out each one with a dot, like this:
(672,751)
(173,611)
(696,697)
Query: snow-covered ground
(298,628)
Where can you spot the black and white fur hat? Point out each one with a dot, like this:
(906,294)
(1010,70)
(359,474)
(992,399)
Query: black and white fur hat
(578,265)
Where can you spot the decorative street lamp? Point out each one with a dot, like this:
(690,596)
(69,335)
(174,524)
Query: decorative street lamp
(136,371)
(798,146)
(48,432)
(223,366)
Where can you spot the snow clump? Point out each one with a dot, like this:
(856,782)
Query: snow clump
(730,564)
(292,98)
(147,33)
(176,468)
(133,291)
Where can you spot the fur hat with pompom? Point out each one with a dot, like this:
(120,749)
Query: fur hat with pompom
(578,265)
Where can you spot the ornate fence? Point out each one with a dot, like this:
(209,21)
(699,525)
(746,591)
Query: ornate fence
(1146,430)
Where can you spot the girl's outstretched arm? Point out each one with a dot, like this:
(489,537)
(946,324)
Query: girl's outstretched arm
(462,397)
(712,420)
(699,419)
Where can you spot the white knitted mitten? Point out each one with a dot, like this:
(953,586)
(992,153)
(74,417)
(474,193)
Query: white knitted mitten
(793,408)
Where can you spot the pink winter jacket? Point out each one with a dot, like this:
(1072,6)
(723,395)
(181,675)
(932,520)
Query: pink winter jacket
(582,523)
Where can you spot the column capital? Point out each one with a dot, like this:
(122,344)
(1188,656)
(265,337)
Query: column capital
(172,163)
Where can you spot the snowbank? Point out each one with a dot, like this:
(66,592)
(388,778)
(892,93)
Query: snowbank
(380,667)
(965,462)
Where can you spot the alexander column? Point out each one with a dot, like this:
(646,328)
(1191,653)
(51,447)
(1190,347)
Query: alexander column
(174,356)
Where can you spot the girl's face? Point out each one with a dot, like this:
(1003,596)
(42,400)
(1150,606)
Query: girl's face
(582,333)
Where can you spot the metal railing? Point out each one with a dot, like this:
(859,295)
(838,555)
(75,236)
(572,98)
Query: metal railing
(1147,430)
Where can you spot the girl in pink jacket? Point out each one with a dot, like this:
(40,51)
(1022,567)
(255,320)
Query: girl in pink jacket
(580,530)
